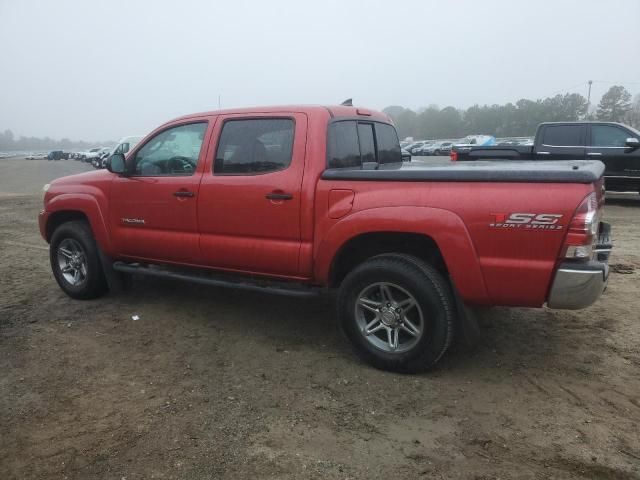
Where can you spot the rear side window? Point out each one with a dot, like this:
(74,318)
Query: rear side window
(352,143)
(388,144)
(563,135)
(367,143)
(254,146)
(608,136)
(343,148)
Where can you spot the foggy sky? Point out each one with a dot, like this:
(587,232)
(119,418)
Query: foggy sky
(101,70)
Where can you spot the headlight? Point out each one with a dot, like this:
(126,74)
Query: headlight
(46,187)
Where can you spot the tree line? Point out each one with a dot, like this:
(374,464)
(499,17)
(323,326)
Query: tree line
(517,119)
(8,143)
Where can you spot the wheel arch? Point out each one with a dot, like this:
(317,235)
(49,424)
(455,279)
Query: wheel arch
(361,247)
(437,236)
(65,208)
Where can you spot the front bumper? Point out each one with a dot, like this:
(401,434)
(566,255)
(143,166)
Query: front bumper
(578,285)
(43,217)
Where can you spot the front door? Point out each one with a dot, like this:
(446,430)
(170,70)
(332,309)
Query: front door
(608,143)
(153,207)
(250,197)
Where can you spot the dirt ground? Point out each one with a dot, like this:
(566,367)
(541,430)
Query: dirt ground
(213,383)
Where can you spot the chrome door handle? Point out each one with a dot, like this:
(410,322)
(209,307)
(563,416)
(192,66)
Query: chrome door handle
(594,154)
(544,153)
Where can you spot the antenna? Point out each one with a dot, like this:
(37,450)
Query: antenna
(348,102)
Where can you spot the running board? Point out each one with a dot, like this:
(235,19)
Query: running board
(277,287)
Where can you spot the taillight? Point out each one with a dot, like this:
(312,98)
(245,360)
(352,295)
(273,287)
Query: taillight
(583,229)
(454,156)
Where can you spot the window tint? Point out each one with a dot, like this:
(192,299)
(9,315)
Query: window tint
(367,143)
(608,136)
(563,135)
(254,146)
(388,144)
(172,152)
(342,146)
(352,143)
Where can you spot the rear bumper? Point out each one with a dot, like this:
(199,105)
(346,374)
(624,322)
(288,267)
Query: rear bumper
(577,286)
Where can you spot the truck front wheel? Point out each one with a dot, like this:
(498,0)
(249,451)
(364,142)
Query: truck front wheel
(398,313)
(75,261)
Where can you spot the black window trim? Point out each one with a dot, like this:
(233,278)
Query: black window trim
(252,117)
(130,164)
(359,120)
(375,141)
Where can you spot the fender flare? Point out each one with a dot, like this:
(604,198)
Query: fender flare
(89,206)
(446,228)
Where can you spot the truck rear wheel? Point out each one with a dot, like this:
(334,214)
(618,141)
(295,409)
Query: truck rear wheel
(75,261)
(398,313)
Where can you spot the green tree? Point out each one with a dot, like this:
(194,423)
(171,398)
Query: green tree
(614,105)
(633,116)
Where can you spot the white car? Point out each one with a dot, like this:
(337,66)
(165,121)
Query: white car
(124,145)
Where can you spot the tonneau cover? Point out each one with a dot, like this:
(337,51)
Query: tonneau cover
(569,171)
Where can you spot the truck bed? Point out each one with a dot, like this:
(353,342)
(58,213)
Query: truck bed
(570,171)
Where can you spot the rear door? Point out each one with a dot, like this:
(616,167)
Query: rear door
(561,142)
(249,202)
(607,143)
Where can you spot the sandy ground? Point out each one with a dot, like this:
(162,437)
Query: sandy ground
(213,383)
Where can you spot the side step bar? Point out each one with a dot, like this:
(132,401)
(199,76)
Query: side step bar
(277,287)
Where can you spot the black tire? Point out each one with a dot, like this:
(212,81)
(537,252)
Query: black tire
(430,290)
(78,233)
(437,153)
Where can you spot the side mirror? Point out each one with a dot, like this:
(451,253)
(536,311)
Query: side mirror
(116,163)
(632,142)
(406,156)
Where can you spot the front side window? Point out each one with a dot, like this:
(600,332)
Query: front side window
(174,151)
(254,146)
(608,136)
(563,135)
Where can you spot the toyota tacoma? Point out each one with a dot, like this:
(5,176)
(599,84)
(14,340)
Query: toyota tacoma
(304,200)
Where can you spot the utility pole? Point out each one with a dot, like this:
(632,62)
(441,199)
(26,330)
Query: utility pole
(219,98)
(589,97)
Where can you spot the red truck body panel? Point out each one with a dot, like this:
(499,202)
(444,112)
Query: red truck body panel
(228,224)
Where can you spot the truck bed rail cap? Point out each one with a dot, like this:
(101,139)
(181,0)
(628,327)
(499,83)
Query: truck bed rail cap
(570,171)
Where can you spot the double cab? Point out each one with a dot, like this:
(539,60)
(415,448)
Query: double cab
(304,200)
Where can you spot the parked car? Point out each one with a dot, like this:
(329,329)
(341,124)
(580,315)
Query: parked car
(89,155)
(421,150)
(55,155)
(36,156)
(437,148)
(415,146)
(100,160)
(615,144)
(124,145)
(312,200)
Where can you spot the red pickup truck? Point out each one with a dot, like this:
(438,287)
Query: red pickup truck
(302,200)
